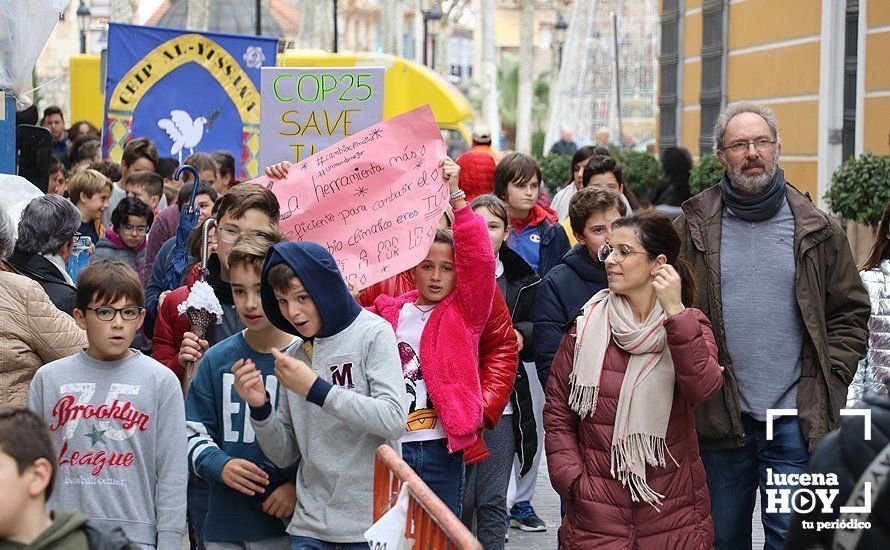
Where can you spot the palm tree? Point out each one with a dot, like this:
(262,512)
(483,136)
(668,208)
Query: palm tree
(198,17)
(391,14)
(526,76)
(451,13)
(508,92)
(490,97)
(316,24)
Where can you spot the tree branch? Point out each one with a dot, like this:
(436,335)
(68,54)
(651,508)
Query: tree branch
(455,10)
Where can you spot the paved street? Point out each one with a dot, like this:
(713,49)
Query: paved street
(546,504)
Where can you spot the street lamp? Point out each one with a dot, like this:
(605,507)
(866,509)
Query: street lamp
(560,34)
(258,10)
(336,30)
(433,14)
(83,19)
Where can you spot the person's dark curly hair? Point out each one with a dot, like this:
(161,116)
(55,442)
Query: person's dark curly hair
(602,165)
(130,206)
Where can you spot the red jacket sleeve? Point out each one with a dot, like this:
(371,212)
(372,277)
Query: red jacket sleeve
(169,329)
(395,286)
(498,360)
(561,423)
(367,296)
(694,352)
(474,262)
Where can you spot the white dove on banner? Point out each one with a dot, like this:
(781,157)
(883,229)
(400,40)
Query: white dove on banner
(183,131)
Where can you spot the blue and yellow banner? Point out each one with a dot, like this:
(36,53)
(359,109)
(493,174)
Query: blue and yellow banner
(187,91)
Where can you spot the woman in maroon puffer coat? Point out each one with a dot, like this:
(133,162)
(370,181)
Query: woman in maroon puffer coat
(620,429)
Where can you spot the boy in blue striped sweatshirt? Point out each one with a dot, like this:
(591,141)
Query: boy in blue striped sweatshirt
(249,496)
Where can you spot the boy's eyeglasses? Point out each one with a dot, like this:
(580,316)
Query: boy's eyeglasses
(229,234)
(137,229)
(107,313)
(621,251)
(75,238)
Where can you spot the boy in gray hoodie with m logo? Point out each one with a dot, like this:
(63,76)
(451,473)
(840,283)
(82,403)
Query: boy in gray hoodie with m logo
(340,395)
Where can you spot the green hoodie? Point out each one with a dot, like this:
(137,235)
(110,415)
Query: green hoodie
(65,533)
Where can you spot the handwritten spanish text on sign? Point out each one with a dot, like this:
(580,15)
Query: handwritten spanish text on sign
(305,110)
(373,200)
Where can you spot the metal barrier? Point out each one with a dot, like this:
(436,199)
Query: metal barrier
(431,524)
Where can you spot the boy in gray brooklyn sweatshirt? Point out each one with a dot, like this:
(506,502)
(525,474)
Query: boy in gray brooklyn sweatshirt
(340,393)
(116,417)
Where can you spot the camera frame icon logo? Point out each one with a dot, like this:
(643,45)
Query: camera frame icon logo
(803,492)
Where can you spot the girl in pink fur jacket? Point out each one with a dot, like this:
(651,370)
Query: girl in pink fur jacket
(437,327)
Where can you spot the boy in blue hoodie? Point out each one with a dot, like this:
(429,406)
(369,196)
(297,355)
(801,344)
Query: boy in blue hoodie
(340,395)
(248,494)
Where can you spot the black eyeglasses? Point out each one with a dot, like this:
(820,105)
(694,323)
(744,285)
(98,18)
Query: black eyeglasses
(621,251)
(75,238)
(762,146)
(107,313)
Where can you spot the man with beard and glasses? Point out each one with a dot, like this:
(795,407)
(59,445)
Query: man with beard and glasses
(777,280)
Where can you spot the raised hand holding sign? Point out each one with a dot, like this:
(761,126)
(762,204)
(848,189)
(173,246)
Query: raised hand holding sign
(373,199)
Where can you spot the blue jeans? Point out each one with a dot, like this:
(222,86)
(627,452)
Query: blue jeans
(735,474)
(441,470)
(197,502)
(306,543)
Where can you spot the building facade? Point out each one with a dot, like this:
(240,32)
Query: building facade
(821,65)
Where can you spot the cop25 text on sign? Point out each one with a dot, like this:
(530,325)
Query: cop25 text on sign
(373,199)
(305,110)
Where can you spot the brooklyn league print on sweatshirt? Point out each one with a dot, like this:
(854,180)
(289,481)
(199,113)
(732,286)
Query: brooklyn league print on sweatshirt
(119,427)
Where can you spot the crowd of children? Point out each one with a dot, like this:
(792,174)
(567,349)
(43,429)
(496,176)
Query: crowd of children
(261,431)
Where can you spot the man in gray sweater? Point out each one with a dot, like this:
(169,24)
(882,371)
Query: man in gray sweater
(340,394)
(777,280)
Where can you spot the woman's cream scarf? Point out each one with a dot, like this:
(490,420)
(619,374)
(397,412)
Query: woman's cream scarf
(647,393)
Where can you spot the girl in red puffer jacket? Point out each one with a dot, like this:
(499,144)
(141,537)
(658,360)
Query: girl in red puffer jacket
(485,497)
(620,429)
(438,327)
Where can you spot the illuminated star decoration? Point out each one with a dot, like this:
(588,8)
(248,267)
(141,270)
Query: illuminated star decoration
(376,133)
(360,192)
(96,435)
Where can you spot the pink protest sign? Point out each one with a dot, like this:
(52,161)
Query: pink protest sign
(373,199)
